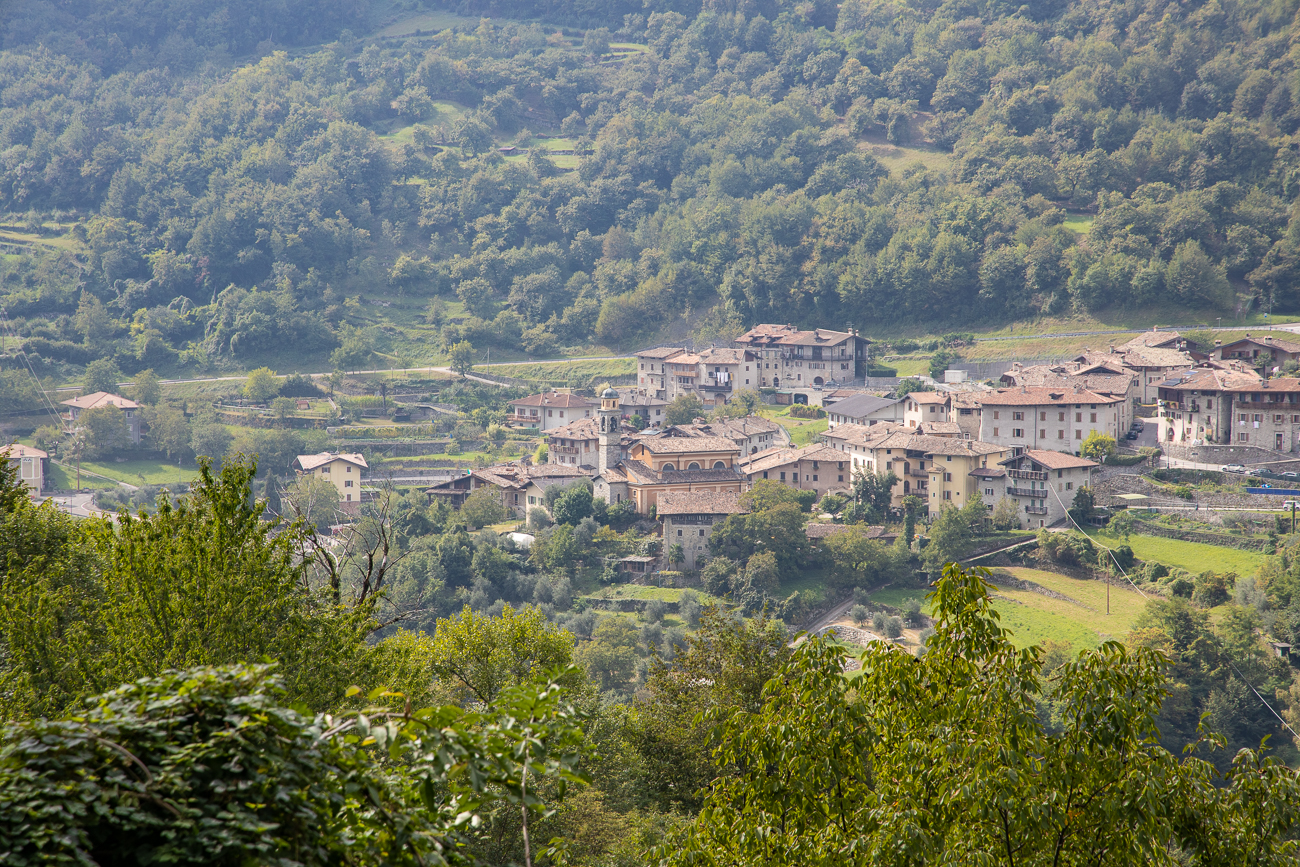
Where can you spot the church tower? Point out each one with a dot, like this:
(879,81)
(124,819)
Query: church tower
(610,434)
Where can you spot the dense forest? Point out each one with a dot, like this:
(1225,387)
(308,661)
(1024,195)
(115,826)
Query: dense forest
(218,204)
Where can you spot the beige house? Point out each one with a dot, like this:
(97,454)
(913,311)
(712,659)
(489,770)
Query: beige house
(920,407)
(816,467)
(130,409)
(1050,418)
(752,433)
(688,518)
(793,358)
(1263,352)
(30,464)
(1041,483)
(549,410)
(723,371)
(513,484)
(936,469)
(1225,407)
(343,471)
(652,370)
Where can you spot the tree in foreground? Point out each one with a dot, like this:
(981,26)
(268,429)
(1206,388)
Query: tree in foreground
(209,766)
(948,758)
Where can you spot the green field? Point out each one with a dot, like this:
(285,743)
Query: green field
(428,22)
(591,371)
(1079,223)
(142,471)
(1034,618)
(1195,557)
(802,430)
(62,478)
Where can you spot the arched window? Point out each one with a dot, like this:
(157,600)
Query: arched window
(693,466)
(669,467)
(719,465)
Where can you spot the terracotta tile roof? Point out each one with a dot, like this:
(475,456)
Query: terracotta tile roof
(556,400)
(1266,342)
(581,429)
(825,531)
(100,398)
(929,396)
(987,473)
(699,503)
(658,352)
(517,476)
(311,462)
(14,451)
(719,355)
(631,397)
(1044,376)
(788,335)
(1152,339)
(779,457)
(1039,396)
(1051,460)
(940,428)
(668,445)
(1216,379)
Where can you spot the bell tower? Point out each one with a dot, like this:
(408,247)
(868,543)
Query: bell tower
(609,430)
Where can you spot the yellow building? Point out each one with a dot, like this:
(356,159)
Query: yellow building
(30,463)
(343,471)
(936,469)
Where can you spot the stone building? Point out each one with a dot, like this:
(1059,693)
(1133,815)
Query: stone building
(688,518)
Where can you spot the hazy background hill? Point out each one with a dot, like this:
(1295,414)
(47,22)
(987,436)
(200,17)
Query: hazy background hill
(190,186)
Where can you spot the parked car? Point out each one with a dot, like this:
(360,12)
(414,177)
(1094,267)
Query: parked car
(1254,472)
(1131,435)
(1233,468)
(1290,475)
(1291,504)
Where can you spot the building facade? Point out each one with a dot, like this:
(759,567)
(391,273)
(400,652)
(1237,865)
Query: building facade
(864,409)
(343,471)
(1226,407)
(688,518)
(130,409)
(935,469)
(1042,484)
(1049,418)
(816,467)
(549,410)
(793,358)
(29,463)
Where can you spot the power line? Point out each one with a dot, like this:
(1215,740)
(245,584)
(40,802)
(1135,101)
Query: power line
(4,316)
(1122,571)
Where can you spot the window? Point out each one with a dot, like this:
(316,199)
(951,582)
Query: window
(1278,419)
(1042,433)
(783,477)
(1242,417)
(1069,486)
(995,413)
(348,483)
(947,477)
(719,465)
(995,431)
(841,478)
(1042,416)
(1078,416)
(1209,404)
(701,532)
(1060,416)
(1017,416)
(1060,434)
(814,477)
(550,413)
(324,471)
(693,466)
(988,492)
(532,501)
(1259,417)
(1018,432)
(1243,438)
(349,498)
(947,495)
(679,532)
(1078,434)
(765,474)
(1060,474)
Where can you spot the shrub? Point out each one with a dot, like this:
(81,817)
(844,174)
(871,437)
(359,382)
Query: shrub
(912,611)
(859,613)
(878,621)
(893,627)
(800,410)
(655,611)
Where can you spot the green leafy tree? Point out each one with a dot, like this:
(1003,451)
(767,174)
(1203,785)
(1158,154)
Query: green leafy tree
(941,361)
(1083,505)
(151,773)
(683,409)
(484,508)
(478,656)
(1098,446)
(723,666)
(261,385)
(101,375)
(872,495)
(574,504)
(312,499)
(168,430)
(104,430)
(1006,515)
(610,656)
(209,438)
(461,357)
(145,388)
(870,774)
(952,532)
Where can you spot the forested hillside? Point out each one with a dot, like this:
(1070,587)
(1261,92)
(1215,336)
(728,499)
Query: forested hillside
(724,163)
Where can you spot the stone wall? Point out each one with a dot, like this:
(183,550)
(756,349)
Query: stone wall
(1249,455)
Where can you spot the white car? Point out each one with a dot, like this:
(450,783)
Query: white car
(1232,468)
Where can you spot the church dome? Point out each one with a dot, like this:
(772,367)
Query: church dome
(609,394)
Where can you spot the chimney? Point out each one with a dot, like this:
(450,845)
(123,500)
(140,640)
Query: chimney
(1112,349)
(1218,343)
(1268,338)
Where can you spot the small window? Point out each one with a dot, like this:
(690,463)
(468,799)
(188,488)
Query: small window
(348,483)
(1017,416)
(1018,432)
(694,466)
(1078,416)
(1078,434)
(1092,417)
(947,477)
(679,532)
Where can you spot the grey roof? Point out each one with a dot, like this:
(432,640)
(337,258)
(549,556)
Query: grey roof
(861,405)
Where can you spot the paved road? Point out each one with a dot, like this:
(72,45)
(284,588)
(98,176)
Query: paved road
(1290,326)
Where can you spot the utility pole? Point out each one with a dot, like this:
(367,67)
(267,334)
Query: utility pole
(1293,517)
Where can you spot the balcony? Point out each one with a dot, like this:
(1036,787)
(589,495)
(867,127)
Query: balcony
(1028,474)
(919,473)
(1036,510)
(715,385)
(565,450)
(525,420)
(1040,493)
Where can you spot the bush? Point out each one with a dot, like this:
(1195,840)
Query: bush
(912,611)
(1181,587)
(297,385)
(893,627)
(1211,589)
(688,606)
(878,621)
(655,611)
(800,410)
(859,614)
